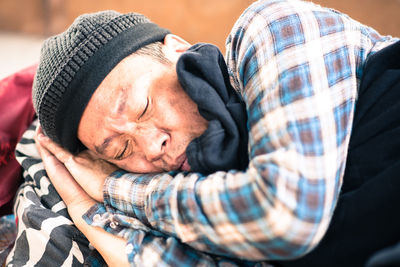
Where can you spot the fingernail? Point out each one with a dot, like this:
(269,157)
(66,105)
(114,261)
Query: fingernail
(41,137)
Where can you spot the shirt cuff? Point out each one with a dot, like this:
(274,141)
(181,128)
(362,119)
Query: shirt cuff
(113,221)
(98,216)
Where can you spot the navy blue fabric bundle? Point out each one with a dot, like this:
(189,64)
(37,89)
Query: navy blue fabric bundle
(367,218)
(203,74)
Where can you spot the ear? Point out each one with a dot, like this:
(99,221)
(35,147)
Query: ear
(174,46)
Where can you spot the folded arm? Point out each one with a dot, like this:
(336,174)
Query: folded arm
(298,76)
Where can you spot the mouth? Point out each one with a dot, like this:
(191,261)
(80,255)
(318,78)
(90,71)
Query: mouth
(183,164)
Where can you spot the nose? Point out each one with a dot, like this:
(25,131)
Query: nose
(153,143)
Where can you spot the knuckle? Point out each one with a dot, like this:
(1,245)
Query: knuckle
(70,160)
(79,159)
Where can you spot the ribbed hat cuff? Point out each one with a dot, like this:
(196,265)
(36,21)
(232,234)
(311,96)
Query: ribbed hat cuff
(92,73)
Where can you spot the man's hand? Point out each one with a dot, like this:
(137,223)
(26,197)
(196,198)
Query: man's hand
(59,164)
(86,168)
(72,194)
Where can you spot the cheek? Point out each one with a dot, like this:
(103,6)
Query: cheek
(167,115)
(183,109)
(186,118)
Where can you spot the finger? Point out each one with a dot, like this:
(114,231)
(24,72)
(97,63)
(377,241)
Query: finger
(69,190)
(86,156)
(90,157)
(52,164)
(59,152)
(38,131)
(93,154)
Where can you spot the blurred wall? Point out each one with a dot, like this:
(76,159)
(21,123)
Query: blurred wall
(194,20)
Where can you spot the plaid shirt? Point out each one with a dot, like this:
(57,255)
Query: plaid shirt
(297,66)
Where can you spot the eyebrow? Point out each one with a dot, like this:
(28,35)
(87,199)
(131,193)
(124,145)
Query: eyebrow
(120,108)
(101,148)
(122,103)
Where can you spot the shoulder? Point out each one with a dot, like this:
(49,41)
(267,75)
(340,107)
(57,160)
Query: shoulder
(279,19)
(263,13)
(264,30)
(275,30)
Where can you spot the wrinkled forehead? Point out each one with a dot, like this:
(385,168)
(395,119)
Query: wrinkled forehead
(122,89)
(118,92)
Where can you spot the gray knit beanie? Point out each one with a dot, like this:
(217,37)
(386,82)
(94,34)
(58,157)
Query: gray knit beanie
(75,62)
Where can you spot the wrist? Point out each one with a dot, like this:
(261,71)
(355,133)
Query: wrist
(78,208)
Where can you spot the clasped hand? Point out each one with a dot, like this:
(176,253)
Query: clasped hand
(79,182)
(76,178)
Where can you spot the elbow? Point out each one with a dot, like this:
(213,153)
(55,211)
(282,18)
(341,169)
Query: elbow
(292,244)
(299,241)
(286,248)
(293,236)
(298,250)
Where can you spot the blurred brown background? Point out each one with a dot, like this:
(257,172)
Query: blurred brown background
(194,20)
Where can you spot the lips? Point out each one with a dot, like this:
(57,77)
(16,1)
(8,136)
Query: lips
(183,163)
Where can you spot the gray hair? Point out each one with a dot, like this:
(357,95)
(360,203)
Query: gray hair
(155,51)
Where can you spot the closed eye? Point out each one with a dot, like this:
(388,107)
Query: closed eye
(122,153)
(145,109)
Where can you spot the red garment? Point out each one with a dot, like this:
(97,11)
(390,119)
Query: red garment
(16,114)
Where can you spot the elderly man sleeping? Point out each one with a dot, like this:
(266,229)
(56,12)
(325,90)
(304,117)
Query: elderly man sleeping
(163,155)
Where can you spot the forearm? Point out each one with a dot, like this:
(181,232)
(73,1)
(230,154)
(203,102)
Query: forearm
(236,214)
(147,247)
